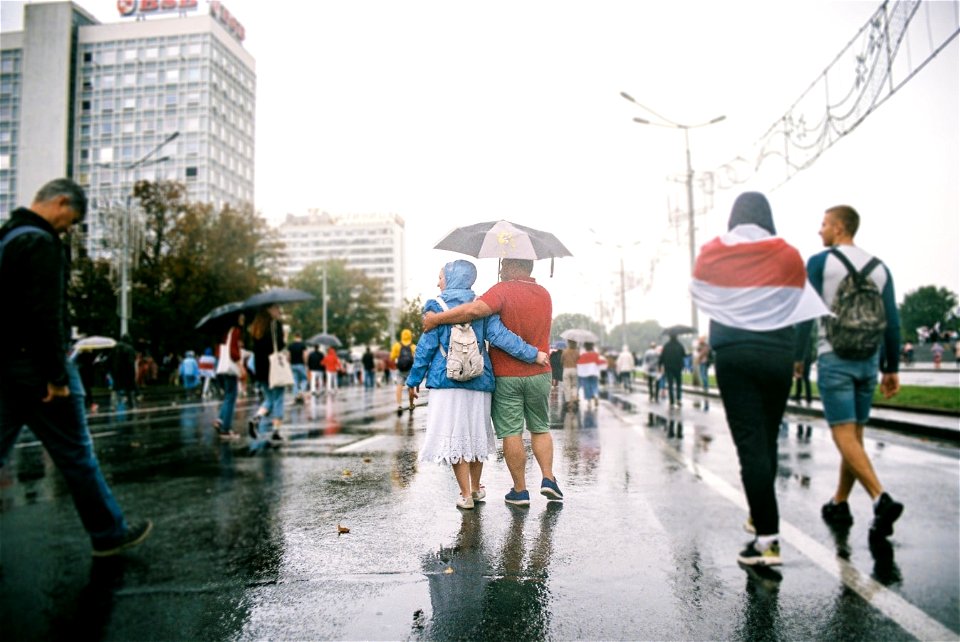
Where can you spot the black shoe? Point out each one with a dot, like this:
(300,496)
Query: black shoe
(277,436)
(252,429)
(885,514)
(837,515)
(133,537)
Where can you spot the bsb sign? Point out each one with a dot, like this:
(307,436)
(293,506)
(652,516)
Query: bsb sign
(139,8)
(144,8)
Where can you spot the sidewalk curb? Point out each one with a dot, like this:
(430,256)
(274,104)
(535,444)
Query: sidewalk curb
(911,423)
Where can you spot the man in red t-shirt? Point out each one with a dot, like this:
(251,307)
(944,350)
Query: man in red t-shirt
(523,389)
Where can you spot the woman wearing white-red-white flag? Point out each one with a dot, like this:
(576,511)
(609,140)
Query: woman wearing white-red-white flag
(753,286)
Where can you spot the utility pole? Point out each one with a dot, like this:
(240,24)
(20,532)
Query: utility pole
(691,236)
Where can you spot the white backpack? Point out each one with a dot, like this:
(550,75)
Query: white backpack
(464,361)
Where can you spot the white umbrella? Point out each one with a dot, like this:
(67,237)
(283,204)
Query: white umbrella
(579,335)
(94,343)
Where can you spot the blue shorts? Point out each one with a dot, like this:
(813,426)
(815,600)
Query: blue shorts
(847,387)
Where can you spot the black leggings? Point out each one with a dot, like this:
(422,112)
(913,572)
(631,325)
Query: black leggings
(754,385)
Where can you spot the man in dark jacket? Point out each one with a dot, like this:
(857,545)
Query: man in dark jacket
(39,386)
(123,369)
(671,360)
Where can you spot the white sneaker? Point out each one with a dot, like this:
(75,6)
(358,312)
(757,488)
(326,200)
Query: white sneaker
(465,502)
(479,495)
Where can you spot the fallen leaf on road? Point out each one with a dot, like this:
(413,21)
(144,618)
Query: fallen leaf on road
(347,473)
(342,529)
(367,460)
(448,570)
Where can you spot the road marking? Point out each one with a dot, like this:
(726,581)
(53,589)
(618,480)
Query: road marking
(912,619)
(363,444)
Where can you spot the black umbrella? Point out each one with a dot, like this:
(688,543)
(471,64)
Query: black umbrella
(220,314)
(323,339)
(277,295)
(676,330)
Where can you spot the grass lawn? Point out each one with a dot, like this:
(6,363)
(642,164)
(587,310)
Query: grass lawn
(909,397)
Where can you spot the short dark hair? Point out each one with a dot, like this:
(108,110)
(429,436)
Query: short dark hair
(524,265)
(64,187)
(847,216)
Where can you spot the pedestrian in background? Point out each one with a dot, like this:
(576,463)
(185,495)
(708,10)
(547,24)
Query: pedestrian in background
(315,370)
(651,369)
(459,429)
(801,376)
(522,395)
(703,359)
(123,371)
(332,366)
(625,368)
(752,284)
(190,374)
(671,361)
(208,372)
(402,354)
(847,383)
(588,374)
(229,368)
(369,369)
(40,387)
(298,365)
(267,334)
(571,382)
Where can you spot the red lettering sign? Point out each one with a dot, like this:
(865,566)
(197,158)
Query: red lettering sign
(140,7)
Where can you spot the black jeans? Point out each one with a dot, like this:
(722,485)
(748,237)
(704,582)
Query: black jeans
(754,385)
(674,383)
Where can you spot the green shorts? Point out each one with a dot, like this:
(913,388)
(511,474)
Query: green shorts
(521,399)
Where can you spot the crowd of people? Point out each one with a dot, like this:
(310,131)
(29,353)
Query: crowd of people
(762,299)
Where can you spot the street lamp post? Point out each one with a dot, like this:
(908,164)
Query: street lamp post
(125,232)
(666,122)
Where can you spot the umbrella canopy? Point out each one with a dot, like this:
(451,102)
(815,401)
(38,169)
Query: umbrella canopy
(94,343)
(678,330)
(558,345)
(220,315)
(579,335)
(503,240)
(323,339)
(277,295)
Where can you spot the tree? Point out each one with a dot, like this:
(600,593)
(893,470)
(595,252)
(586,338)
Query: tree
(354,312)
(411,317)
(564,322)
(639,335)
(925,307)
(92,297)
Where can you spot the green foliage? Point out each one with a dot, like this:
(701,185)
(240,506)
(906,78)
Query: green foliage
(354,313)
(411,317)
(927,306)
(195,258)
(92,298)
(639,335)
(564,322)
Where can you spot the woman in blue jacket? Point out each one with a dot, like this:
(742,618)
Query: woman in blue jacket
(459,430)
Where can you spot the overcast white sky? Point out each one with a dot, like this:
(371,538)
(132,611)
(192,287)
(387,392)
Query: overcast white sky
(451,113)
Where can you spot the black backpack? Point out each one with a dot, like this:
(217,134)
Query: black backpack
(856,329)
(405,360)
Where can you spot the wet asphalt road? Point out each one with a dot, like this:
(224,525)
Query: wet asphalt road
(643,548)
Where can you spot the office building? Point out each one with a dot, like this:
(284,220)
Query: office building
(372,243)
(156,97)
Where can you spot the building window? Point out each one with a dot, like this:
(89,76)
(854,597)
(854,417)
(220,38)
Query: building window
(191,173)
(85,105)
(172,76)
(106,155)
(4,161)
(87,56)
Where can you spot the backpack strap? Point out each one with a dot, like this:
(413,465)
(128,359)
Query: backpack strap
(19,231)
(443,306)
(860,275)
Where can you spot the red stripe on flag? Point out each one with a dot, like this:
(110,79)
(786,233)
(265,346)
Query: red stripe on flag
(770,262)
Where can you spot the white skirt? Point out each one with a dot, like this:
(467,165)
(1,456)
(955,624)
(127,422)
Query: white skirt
(458,427)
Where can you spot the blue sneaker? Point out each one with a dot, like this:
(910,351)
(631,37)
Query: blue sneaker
(517,498)
(550,490)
